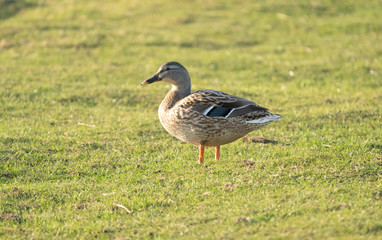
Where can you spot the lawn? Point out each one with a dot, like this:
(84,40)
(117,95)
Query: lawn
(83,154)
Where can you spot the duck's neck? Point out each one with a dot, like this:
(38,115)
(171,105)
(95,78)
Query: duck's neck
(174,95)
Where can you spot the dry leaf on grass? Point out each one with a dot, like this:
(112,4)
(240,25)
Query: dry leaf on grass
(9,217)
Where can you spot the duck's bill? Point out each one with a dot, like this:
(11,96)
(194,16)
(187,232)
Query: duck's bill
(153,79)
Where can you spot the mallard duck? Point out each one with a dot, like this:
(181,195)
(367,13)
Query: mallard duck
(206,117)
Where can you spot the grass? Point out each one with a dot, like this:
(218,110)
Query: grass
(79,138)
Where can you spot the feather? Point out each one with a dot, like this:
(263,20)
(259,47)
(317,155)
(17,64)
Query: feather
(218,112)
(213,103)
(269,118)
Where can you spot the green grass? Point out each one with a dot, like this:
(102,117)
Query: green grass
(79,136)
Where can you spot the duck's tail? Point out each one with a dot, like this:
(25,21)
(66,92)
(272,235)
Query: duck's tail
(271,117)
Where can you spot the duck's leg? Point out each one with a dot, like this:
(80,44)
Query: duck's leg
(217,153)
(201,153)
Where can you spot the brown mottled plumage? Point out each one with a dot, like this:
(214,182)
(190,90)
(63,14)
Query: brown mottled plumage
(205,117)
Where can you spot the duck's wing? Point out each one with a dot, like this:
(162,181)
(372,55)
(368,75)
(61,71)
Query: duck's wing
(217,104)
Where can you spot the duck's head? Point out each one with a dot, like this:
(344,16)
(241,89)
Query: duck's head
(173,73)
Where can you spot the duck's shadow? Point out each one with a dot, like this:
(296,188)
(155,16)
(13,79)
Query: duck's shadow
(261,140)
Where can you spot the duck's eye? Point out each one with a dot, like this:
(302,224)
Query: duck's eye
(165,69)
